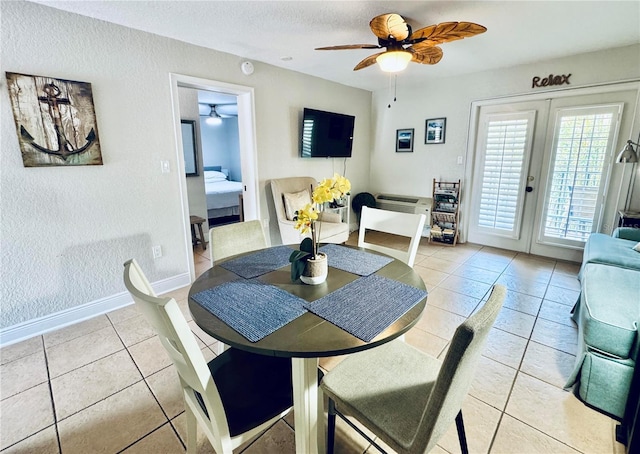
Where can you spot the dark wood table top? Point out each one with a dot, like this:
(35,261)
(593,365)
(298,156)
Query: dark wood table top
(308,336)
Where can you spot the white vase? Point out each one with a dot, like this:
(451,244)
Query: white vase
(315,270)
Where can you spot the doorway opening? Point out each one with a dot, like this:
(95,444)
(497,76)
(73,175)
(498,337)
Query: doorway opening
(221,163)
(543,168)
(246,141)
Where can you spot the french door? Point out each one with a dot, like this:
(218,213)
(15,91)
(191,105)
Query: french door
(541,172)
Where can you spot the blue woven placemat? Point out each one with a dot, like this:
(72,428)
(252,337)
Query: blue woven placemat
(252,308)
(367,306)
(353,260)
(262,262)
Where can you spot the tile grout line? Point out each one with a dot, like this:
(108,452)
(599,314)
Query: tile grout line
(144,379)
(529,339)
(506,402)
(53,404)
(519,371)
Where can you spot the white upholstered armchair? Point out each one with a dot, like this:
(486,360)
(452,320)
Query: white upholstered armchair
(288,196)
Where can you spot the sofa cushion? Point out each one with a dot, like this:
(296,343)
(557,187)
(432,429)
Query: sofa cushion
(610,308)
(627,233)
(601,248)
(605,382)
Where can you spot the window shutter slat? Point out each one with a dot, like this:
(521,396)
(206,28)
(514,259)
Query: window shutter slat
(503,166)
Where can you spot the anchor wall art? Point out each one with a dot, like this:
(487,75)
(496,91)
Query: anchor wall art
(55,121)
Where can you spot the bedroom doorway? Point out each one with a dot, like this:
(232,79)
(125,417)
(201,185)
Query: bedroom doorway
(246,143)
(221,163)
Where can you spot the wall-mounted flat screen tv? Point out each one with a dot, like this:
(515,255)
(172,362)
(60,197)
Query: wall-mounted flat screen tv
(326,134)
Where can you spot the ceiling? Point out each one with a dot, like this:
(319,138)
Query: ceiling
(285,33)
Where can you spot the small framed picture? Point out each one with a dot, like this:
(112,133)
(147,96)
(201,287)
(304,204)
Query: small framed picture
(404,140)
(435,130)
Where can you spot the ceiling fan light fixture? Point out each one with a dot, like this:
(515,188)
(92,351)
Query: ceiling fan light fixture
(394,61)
(214,118)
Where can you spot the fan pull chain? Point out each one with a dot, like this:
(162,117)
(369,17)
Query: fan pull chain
(395,88)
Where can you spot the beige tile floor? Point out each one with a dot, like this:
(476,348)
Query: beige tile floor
(106,385)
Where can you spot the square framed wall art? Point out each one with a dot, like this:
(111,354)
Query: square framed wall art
(435,129)
(55,121)
(404,140)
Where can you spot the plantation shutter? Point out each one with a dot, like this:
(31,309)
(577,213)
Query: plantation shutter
(583,140)
(505,155)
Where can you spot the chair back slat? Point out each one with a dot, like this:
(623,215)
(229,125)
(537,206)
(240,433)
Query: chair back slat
(174,333)
(408,225)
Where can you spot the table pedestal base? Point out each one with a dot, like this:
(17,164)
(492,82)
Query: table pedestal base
(308,406)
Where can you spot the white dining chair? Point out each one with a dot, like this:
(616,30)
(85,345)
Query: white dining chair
(405,397)
(232,239)
(407,225)
(233,398)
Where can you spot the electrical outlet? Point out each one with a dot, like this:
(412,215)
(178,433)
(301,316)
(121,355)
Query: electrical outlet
(156,251)
(606,228)
(459,160)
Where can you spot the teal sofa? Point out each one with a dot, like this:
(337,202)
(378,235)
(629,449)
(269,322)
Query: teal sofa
(607,314)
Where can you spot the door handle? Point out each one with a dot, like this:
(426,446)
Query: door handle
(529,189)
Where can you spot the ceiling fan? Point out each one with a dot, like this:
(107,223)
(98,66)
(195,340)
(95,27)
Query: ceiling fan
(402,45)
(216,112)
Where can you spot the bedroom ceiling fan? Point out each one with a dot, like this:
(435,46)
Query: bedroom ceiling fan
(216,112)
(402,45)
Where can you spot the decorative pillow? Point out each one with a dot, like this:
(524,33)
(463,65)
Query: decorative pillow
(637,247)
(294,201)
(329,217)
(211,176)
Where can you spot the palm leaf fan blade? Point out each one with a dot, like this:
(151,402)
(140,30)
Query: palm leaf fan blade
(446,32)
(370,60)
(349,46)
(427,55)
(387,25)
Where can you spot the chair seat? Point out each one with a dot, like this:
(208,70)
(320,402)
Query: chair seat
(385,401)
(253,388)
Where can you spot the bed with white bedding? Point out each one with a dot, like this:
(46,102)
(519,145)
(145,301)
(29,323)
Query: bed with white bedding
(221,193)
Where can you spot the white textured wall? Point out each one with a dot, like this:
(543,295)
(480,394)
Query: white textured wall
(413,173)
(67,230)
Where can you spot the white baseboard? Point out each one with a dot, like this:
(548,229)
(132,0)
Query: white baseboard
(57,320)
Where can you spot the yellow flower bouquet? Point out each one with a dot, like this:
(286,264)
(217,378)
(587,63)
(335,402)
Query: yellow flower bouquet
(328,191)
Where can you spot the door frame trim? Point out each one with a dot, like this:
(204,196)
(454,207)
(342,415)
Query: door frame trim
(474,117)
(247,144)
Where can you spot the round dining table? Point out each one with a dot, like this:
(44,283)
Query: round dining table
(308,337)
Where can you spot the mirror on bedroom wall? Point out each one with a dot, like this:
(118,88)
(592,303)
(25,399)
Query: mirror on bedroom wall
(189,147)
